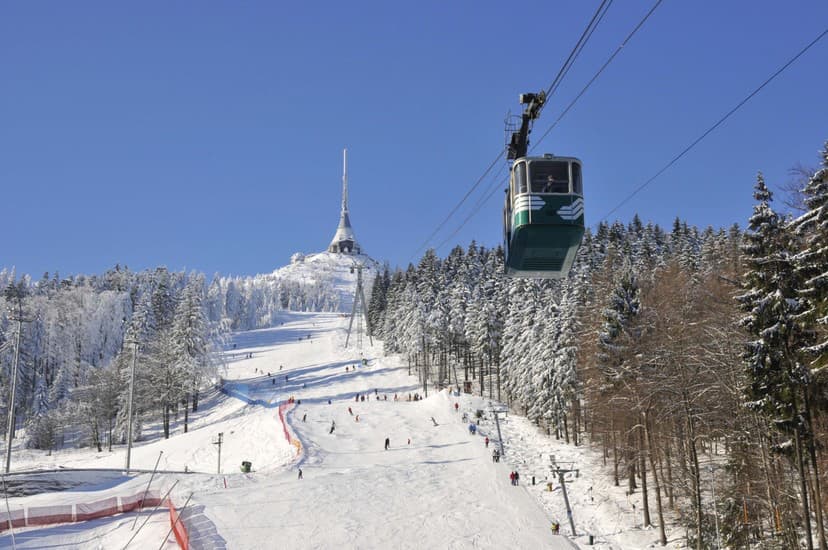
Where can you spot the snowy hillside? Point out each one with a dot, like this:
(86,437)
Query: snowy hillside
(435,486)
(331,271)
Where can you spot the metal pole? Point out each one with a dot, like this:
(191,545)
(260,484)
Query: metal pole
(566,500)
(134,523)
(8,511)
(499,437)
(176,521)
(13,391)
(129,407)
(365,307)
(166,495)
(218,442)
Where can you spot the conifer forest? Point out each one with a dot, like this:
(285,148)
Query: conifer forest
(692,359)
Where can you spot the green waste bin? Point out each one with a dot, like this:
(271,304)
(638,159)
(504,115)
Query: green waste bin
(245,467)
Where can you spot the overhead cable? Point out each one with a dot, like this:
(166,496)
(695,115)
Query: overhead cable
(716,125)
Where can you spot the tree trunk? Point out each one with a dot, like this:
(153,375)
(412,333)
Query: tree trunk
(815,481)
(806,512)
(670,501)
(651,450)
(186,414)
(614,455)
(643,467)
(696,480)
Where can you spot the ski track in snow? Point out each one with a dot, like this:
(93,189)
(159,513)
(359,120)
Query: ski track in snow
(441,490)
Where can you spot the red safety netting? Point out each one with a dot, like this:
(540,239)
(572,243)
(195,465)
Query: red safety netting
(293,441)
(178,527)
(282,408)
(83,511)
(18,519)
(44,515)
(98,509)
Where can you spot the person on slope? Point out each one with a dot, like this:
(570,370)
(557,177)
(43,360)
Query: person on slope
(486,441)
(300,473)
(387,443)
(333,427)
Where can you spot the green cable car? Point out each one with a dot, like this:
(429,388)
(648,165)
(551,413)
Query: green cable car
(543,216)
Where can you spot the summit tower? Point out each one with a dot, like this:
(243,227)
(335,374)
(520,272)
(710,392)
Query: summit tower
(344,240)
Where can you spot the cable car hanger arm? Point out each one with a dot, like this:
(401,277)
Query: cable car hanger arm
(519,143)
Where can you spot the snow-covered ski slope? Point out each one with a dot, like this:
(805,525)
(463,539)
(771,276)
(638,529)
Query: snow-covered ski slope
(440,490)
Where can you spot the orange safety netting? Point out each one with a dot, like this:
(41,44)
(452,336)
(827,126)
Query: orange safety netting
(178,527)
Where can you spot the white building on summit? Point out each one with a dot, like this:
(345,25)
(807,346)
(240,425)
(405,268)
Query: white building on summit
(344,241)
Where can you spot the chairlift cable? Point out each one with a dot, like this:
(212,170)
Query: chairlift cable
(585,36)
(490,191)
(716,125)
(597,74)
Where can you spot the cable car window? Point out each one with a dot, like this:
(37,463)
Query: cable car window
(550,177)
(520,177)
(577,185)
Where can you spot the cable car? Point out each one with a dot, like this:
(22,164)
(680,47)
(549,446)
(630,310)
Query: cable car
(543,216)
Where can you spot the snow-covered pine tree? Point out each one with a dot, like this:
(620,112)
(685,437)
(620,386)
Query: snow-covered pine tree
(776,374)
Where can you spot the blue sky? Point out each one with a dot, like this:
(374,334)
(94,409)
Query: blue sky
(208,135)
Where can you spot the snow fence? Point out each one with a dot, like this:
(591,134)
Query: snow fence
(84,511)
(283,408)
(72,513)
(178,527)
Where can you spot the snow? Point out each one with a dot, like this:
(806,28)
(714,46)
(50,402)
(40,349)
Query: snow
(441,490)
(331,269)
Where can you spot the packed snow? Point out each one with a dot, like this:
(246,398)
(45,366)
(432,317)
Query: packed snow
(435,486)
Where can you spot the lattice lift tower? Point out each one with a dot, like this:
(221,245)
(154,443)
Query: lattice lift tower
(359,311)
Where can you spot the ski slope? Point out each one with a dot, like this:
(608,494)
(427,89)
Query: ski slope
(435,487)
(440,490)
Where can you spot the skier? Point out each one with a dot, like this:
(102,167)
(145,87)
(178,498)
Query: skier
(512,478)
(486,441)
(304,417)
(350,411)
(387,443)
(456,406)
(300,473)
(333,427)
(517,478)
(556,527)
(494,455)
(356,418)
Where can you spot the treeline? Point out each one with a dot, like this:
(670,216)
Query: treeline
(692,359)
(78,337)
